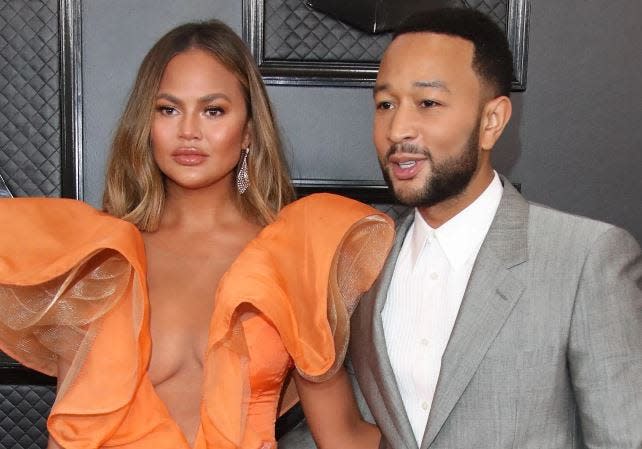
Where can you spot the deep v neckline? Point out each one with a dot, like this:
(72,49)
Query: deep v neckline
(199,441)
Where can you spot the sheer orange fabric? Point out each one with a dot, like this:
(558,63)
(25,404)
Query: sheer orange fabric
(72,287)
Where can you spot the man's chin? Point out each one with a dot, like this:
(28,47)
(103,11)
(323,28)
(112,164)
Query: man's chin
(408,195)
(408,192)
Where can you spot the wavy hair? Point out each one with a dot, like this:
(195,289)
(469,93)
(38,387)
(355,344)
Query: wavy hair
(134,186)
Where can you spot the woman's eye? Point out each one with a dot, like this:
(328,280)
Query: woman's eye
(214,111)
(166,110)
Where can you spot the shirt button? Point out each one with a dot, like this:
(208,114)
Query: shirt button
(434,276)
(424,342)
(424,405)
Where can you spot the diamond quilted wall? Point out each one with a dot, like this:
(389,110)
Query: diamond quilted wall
(294,32)
(29,97)
(30,164)
(23,415)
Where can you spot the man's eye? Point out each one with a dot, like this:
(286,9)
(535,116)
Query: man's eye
(384,105)
(429,103)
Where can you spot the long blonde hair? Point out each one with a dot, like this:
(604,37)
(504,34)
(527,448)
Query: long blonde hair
(134,187)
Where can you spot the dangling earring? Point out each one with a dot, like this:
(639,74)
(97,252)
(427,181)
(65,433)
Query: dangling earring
(242,177)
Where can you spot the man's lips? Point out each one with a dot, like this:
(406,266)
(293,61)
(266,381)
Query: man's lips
(189,156)
(404,167)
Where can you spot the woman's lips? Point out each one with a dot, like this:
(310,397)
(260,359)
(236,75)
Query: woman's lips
(189,156)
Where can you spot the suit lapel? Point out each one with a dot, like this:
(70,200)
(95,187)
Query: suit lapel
(490,296)
(379,362)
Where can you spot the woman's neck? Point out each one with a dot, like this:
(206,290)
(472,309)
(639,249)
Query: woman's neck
(201,209)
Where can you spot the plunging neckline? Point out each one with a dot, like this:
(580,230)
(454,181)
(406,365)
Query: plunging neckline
(164,248)
(199,442)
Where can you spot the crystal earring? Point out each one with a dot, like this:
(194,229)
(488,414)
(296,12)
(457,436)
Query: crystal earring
(242,177)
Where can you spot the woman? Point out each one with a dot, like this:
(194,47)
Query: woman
(146,354)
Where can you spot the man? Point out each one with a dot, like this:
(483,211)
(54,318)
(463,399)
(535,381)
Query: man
(496,323)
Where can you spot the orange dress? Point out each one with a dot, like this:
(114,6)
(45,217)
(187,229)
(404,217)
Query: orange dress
(73,287)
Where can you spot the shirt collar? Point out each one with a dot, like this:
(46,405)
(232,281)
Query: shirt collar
(461,236)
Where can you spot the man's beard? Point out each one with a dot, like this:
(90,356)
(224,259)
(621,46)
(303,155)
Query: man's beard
(447,179)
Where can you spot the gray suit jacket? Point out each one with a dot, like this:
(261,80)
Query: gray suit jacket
(546,351)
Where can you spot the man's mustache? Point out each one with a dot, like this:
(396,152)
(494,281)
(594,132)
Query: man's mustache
(408,148)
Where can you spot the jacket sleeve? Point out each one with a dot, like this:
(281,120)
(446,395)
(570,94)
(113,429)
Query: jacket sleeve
(605,345)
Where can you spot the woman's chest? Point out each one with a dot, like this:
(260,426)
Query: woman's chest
(181,296)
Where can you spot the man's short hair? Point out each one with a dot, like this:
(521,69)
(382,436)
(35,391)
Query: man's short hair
(492,59)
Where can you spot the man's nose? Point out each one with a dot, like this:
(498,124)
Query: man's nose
(402,126)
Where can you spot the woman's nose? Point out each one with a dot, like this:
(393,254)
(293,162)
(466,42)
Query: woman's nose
(189,128)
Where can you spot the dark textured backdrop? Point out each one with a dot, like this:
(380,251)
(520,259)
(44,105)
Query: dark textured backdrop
(293,31)
(29,103)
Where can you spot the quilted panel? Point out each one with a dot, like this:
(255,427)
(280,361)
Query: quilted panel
(23,415)
(496,9)
(295,32)
(29,103)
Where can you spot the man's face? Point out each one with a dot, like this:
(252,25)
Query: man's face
(426,123)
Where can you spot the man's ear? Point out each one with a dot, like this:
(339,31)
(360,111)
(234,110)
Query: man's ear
(495,116)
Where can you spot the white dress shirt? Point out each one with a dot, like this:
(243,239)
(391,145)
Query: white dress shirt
(425,293)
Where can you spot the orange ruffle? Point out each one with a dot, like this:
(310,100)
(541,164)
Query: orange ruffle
(307,272)
(71,279)
(67,270)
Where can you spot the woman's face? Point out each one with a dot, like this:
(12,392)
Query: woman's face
(200,122)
